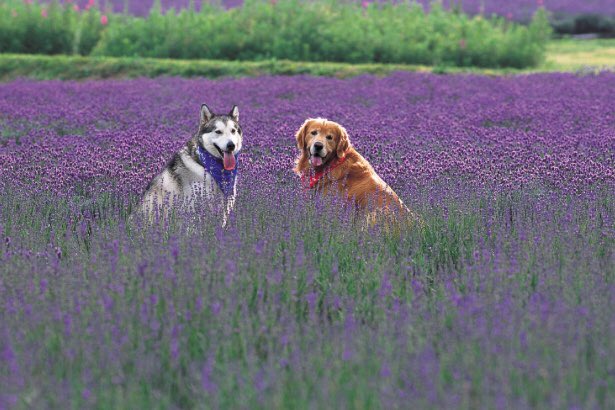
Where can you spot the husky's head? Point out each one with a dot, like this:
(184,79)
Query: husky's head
(221,135)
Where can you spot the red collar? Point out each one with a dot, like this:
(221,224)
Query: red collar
(317,176)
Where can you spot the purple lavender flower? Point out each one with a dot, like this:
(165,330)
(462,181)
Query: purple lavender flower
(503,300)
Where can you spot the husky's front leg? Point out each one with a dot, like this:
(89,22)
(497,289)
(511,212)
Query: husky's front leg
(229,205)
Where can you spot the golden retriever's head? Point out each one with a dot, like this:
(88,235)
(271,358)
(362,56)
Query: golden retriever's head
(320,141)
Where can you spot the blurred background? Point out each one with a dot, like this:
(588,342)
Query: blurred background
(543,35)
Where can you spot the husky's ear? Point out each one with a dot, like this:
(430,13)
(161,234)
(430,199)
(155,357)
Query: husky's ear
(206,114)
(344,142)
(300,135)
(234,114)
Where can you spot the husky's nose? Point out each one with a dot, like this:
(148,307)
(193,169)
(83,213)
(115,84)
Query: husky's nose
(230,146)
(318,146)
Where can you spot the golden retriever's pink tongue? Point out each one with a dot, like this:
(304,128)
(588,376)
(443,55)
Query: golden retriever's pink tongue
(229,161)
(316,161)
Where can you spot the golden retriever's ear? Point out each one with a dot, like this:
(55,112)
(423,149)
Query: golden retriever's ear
(300,135)
(302,162)
(343,144)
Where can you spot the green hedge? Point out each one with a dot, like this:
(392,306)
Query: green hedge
(287,29)
(43,67)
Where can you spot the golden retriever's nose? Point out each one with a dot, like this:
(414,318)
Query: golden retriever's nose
(318,146)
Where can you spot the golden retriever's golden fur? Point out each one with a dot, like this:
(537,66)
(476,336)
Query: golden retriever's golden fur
(343,171)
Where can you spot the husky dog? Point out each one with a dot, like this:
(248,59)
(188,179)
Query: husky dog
(205,167)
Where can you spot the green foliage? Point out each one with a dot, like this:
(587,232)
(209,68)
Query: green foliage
(48,28)
(288,29)
(322,31)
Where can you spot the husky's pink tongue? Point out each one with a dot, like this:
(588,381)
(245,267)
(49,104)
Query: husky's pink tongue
(316,161)
(229,161)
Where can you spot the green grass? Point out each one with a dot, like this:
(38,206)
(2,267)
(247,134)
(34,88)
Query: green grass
(562,55)
(571,55)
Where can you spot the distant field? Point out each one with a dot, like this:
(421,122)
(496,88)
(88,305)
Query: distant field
(571,55)
(562,55)
(518,9)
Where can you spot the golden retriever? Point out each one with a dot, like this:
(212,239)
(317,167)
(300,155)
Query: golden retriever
(329,164)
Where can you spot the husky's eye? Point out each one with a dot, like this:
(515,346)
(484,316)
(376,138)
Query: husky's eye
(329,137)
(233,131)
(314,132)
(218,132)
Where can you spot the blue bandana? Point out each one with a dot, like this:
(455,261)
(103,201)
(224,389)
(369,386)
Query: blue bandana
(225,179)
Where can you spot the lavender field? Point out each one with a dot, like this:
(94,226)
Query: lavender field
(518,9)
(504,299)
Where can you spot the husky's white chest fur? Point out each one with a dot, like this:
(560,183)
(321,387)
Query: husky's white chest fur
(197,180)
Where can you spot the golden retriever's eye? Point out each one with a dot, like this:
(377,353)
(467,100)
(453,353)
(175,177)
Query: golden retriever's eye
(314,132)
(218,132)
(329,137)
